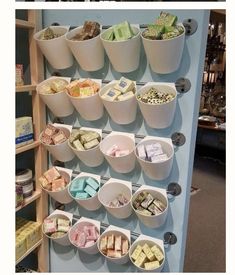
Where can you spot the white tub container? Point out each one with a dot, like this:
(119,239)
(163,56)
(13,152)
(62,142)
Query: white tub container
(164,56)
(56,50)
(92,157)
(88,53)
(91,203)
(62,196)
(64,240)
(124,55)
(157,170)
(90,108)
(93,249)
(124,164)
(110,190)
(116,231)
(141,240)
(58,103)
(61,152)
(154,221)
(158,116)
(121,112)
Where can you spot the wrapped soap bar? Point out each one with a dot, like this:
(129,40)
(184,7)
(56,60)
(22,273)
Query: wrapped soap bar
(119,32)
(78,145)
(111,94)
(135,254)
(112,150)
(141,152)
(59,137)
(58,184)
(23,131)
(77,185)
(147,201)
(82,195)
(86,91)
(151,265)
(118,243)
(58,85)
(124,85)
(114,253)
(85,88)
(166,19)
(52,174)
(49,225)
(159,204)
(63,225)
(89,30)
(120,200)
(125,247)
(154,209)
(159,158)
(142,258)
(125,96)
(114,246)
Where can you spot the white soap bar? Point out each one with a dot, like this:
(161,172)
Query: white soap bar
(153,149)
(124,85)
(111,94)
(125,96)
(159,158)
(24,131)
(141,152)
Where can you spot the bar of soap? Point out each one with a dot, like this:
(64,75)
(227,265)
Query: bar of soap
(166,19)
(157,252)
(118,243)
(59,137)
(111,94)
(142,258)
(91,144)
(148,252)
(147,201)
(23,131)
(81,195)
(86,91)
(77,185)
(58,85)
(151,265)
(78,145)
(93,183)
(121,153)
(154,149)
(123,31)
(125,96)
(90,191)
(58,184)
(110,243)
(112,150)
(50,130)
(124,85)
(49,225)
(63,225)
(160,205)
(43,181)
(141,152)
(89,137)
(103,243)
(154,209)
(114,253)
(125,247)
(52,174)
(135,254)
(159,158)
(58,234)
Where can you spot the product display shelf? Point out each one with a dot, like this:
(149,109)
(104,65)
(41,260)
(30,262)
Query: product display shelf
(27,201)
(66,259)
(27,147)
(33,24)
(29,251)
(25,88)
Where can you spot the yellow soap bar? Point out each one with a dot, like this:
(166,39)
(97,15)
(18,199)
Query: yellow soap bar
(23,131)
(157,253)
(136,252)
(20,248)
(141,260)
(148,252)
(151,265)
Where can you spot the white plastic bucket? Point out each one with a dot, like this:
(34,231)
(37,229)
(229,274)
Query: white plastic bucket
(154,221)
(124,164)
(93,249)
(157,170)
(164,56)
(110,190)
(90,107)
(62,196)
(91,203)
(116,231)
(124,55)
(88,53)
(56,50)
(64,240)
(61,152)
(141,240)
(58,103)
(92,157)
(121,112)
(158,116)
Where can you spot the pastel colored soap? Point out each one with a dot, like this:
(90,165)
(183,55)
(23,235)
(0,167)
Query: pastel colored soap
(81,195)
(93,183)
(90,191)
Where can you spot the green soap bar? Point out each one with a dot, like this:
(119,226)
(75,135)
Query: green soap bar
(90,190)
(93,183)
(166,19)
(81,195)
(123,31)
(170,29)
(109,35)
(77,185)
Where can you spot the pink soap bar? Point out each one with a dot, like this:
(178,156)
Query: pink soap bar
(89,243)
(111,151)
(49,225)
(122,153)
(81,240)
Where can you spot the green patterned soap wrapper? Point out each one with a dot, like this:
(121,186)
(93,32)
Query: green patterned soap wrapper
(119,32)
(166,19)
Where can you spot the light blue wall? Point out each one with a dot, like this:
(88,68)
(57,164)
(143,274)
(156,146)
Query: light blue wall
(68,259)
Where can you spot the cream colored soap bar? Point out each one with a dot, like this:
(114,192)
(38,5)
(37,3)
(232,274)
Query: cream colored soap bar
(151,265)
(148,252)
(136,252)
(124,85)
(111,94)
(23,131)
(141,260)
(125,96)
(157,253)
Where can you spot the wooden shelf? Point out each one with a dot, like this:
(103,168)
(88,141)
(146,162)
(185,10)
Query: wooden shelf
(28,252)
(24,24)
(27,201)
(25,88)
(28,147)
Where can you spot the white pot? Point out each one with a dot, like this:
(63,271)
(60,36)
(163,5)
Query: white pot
(159,170)
(124,164)
(93,249)
(58,103)
(141,240)
(154,221)
(61,152)
(64,240)
(90,107)
(110,190)
(62,196)
(158,116)
(164,56)
(88,53)
(121,112)
(56,50)
(124,55)
(116,231)
(91,203)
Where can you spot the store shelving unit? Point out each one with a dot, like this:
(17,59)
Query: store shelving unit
(36,70)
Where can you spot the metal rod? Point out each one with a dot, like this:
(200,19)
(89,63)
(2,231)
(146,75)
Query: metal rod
(105,27)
